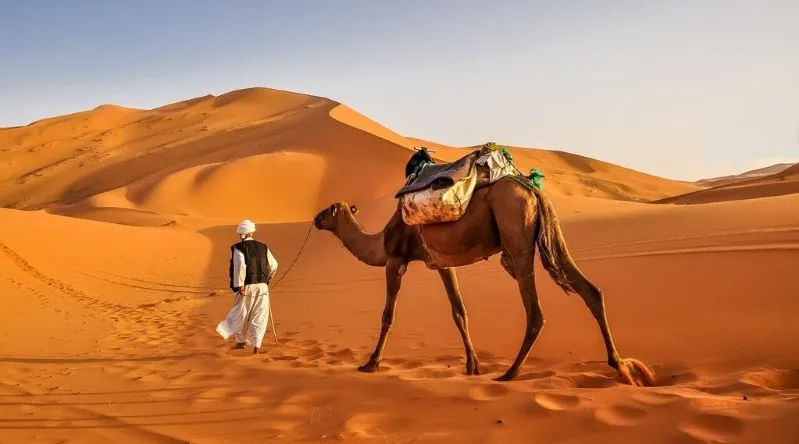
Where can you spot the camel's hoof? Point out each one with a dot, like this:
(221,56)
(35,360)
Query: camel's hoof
(636,373)
(369,367)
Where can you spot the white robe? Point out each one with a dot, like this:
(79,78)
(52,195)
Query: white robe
(248,319)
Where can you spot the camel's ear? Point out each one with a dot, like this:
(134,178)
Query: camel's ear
(353,209)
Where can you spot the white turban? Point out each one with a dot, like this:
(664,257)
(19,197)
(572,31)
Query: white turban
(246,226)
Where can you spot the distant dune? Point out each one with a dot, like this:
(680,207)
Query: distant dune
(783,182)
(752,174)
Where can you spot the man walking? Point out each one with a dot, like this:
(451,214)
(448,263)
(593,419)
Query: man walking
(252,266)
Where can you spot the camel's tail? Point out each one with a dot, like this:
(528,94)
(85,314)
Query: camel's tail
(554,255)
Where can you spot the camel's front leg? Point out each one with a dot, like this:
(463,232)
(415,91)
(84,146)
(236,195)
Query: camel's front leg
(461,320)
(393,281)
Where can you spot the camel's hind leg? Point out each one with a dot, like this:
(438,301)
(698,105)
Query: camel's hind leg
(523,272)
(459,315)
(393,281)
(631,371)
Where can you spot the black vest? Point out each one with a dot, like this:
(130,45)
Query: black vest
(255,259)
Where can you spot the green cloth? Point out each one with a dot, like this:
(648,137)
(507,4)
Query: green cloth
(535,177)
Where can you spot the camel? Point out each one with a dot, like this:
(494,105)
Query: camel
(504,217)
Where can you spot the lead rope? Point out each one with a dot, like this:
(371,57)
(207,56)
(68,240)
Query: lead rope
(302,247)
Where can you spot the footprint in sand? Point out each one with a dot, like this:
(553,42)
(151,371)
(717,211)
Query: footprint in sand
(594,380)
(556,402)
(488,392)
(656,399)
(620,415)
(432,373)
(304,364)
(410,365)
(345,354)
(313,354)
(713,428)
(365,425)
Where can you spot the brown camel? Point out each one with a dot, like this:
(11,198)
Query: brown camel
(504,217)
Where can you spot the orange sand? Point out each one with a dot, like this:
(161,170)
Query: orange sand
(114,279)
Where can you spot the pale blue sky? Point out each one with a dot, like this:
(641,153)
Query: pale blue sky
(682,89)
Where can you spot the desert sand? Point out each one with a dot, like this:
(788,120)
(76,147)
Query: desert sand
(114,245)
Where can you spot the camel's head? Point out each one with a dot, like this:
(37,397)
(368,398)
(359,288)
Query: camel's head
(328,218)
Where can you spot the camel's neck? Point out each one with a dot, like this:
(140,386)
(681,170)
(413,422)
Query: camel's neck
(368,248)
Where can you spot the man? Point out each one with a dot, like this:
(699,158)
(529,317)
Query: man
(252,266)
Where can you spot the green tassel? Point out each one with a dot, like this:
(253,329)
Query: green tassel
(535,177)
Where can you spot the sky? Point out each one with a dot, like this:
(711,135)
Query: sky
(680,89)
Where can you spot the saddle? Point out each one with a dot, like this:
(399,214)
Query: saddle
(436,193)
(422,172)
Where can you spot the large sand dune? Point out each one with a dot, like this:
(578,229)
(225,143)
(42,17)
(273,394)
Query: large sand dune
(68,159)
(113,274)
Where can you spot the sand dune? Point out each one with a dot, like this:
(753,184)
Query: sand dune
(759,172)
(113,274)
(777,184)
(69,159)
